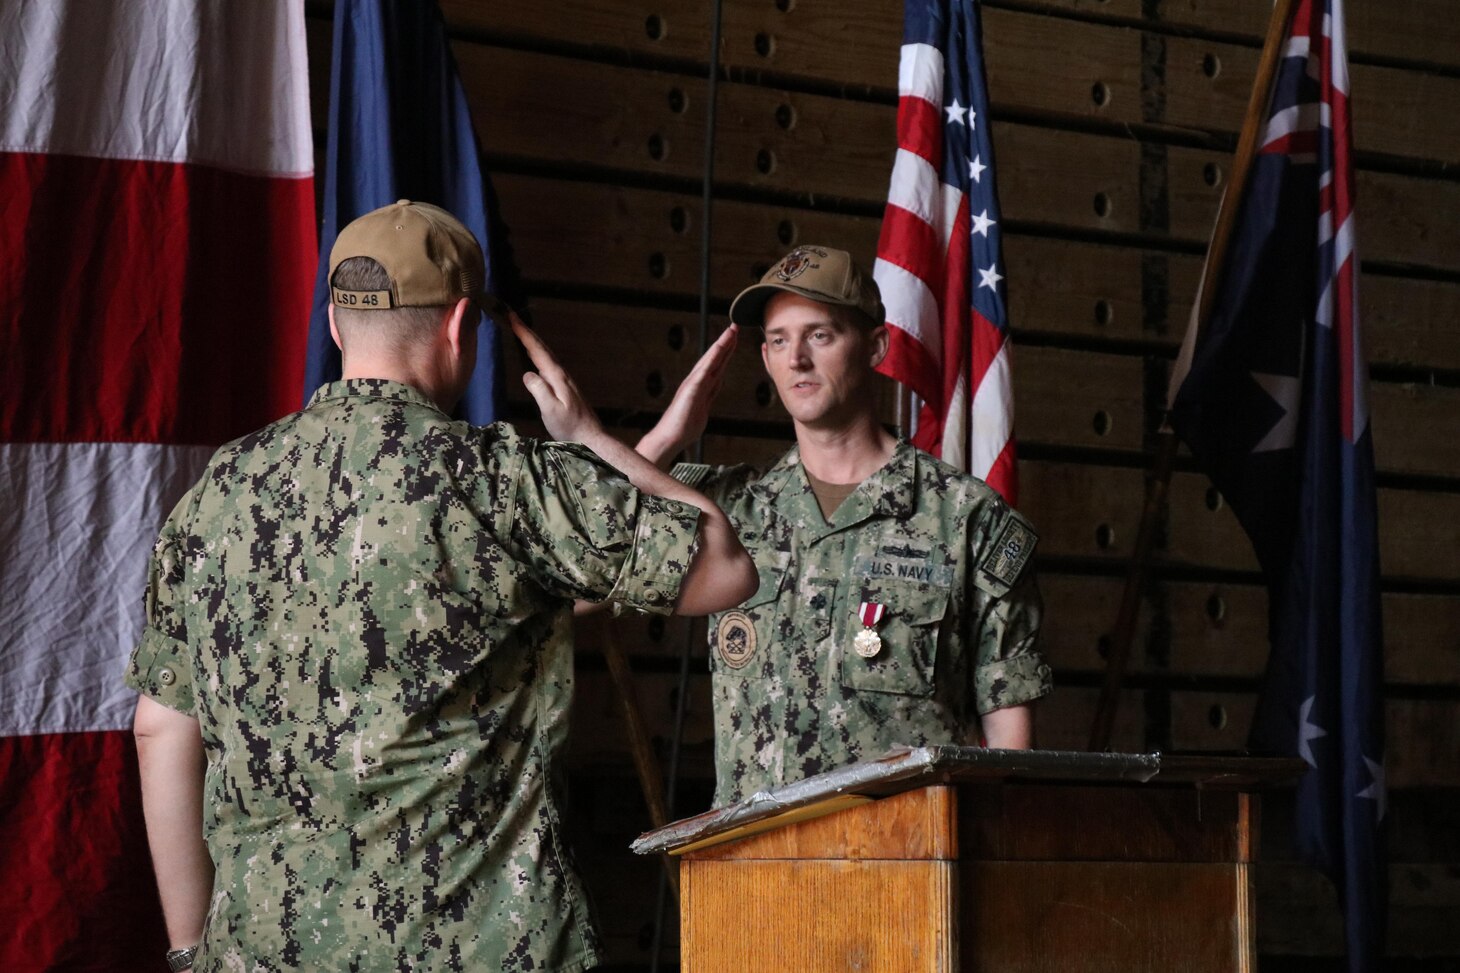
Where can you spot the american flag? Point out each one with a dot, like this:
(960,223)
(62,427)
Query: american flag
(939,265)
(155,161)
(1271,397)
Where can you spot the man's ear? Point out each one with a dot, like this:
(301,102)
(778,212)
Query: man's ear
(334,329)
(461,317)
(881,339)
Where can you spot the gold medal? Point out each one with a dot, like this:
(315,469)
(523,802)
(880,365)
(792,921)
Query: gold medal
(867,643)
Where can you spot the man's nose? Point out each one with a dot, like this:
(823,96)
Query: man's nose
(800,356)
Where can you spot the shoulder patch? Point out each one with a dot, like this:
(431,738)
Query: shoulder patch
(691,474)
(1004,559)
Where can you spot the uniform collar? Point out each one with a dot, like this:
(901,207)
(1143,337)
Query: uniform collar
(370,388)
(889,492)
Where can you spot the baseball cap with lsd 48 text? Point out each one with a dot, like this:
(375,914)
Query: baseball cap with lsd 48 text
(431,258)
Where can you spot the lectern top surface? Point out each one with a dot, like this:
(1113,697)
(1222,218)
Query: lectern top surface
(908,768)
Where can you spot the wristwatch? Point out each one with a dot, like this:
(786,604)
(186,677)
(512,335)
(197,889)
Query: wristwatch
(181,959)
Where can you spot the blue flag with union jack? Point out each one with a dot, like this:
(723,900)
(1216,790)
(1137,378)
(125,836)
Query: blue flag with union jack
(1271,396)
(939,264)
(400,128)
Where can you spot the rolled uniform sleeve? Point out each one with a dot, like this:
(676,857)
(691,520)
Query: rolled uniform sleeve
(1009,669)
(588,533)
(161,665)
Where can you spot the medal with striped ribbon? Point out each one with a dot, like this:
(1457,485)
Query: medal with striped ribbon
(867,642)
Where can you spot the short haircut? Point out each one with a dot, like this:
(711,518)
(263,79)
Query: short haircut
(395,327)
(856,317)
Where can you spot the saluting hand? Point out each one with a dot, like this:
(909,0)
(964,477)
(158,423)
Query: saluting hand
(685,419)
(566,415)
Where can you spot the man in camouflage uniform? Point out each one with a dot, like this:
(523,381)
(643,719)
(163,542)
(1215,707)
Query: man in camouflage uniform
(357,663)
(896,603)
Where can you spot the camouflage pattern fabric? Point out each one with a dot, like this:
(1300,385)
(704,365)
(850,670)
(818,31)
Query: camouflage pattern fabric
(367,606)
(944,555)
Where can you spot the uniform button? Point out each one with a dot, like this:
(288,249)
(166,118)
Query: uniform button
(166,676)
(819,602)
(655,597)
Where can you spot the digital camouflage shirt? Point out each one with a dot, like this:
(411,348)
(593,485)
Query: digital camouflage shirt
(938,551)
(367,607)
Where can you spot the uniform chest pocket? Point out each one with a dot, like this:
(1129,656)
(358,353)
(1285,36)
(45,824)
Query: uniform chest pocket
(740,638)
(906,660)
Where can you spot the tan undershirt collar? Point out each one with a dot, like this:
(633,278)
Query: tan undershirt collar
(829,496)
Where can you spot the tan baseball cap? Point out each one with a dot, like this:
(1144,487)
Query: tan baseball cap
(822,274)
(431,258)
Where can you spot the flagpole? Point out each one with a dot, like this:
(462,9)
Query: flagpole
(1158,481)
(681,696)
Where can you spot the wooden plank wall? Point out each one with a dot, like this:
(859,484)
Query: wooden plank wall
(1114,123)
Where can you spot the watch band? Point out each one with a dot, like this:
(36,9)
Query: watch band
(181,959)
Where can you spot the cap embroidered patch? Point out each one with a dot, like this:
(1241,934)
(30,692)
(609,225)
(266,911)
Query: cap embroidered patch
(1006,559)
(823,274)
(735,639)
(797,262)
(370,299)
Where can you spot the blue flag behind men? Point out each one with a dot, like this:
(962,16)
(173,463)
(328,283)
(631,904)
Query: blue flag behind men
(400,128)
(1272,399)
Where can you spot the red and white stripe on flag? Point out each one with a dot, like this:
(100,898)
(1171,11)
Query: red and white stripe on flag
(157,248)
(938,264)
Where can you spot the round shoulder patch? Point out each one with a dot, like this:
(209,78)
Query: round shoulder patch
(735,639)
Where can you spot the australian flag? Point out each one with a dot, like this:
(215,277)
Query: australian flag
(400,128)
(1271,397)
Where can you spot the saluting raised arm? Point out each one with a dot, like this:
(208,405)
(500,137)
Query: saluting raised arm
(722,574)
(685,419)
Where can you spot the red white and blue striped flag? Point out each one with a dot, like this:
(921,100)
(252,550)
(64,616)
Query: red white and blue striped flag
(939,264)
(157,242)
(1271,396)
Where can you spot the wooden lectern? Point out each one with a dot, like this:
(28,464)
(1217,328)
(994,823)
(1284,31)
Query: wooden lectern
(952,858)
